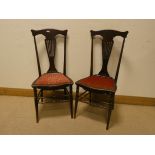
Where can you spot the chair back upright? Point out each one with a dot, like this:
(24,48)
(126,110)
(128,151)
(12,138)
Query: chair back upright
(50,43)
(107,42)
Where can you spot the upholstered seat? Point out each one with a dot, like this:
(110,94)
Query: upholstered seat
(98,82)
(52,79)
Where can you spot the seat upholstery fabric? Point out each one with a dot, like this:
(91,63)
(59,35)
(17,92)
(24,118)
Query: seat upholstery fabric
(52,79)
(98,82)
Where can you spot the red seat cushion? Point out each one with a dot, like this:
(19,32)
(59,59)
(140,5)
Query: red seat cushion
(52,79)
(98,82)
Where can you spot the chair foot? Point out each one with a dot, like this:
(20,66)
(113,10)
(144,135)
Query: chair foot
(71,101)
(36,104)
(76,101)
(37,115)
(108,119)
(74,114)
(37,120)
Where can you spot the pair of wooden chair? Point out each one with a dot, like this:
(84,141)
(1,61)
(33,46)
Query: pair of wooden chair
(101,83)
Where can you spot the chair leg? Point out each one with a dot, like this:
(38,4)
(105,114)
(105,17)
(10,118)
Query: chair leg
(65,91)
(71,101)
(90,97)
(36,104)
(42,94)
(76,100)
(108,118)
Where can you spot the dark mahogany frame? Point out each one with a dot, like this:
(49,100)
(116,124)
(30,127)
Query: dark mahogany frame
(107,44)
(50,43)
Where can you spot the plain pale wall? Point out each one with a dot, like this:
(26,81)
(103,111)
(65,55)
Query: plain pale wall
(18,67)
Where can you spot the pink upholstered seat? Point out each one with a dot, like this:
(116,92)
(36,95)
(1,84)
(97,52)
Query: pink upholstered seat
(52,79)
(98,82)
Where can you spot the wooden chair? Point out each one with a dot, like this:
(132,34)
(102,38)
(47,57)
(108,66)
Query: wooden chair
(52,79)
(102,82)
